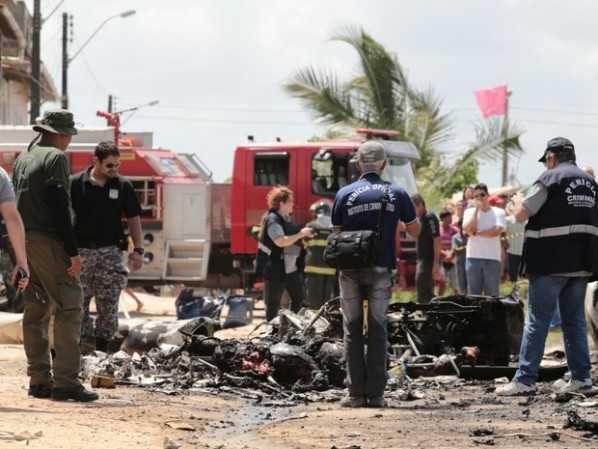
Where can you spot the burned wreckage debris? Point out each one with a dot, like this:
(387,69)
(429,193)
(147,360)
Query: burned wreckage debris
(299,352)
(452,331)
(467,336)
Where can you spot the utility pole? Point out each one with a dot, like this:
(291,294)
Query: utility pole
(109,109)
(65,61)
(35,62)
(505,152)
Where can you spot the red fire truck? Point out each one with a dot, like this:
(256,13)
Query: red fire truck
(313,171)
(198,232)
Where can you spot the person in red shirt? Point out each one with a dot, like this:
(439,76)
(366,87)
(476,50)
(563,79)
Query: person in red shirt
(447,262)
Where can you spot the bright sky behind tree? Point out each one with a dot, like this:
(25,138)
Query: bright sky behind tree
(217,67)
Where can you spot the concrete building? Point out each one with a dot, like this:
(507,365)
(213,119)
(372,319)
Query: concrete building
(16,28)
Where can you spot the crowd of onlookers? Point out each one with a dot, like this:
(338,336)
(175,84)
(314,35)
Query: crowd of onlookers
(471,246)
(454,254)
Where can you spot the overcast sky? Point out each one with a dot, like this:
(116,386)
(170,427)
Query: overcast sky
(217,66)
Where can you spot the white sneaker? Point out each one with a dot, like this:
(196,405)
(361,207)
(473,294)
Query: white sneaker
(515,389)
(575,386)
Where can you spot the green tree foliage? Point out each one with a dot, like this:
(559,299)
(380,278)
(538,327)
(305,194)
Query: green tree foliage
(379,95)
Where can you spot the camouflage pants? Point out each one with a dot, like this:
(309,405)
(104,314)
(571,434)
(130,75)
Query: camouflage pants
(104,276)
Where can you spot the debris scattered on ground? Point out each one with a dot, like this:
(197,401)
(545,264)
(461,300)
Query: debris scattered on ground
(23,437)
(169,443)
(179,425)
(576,422)
(300,357)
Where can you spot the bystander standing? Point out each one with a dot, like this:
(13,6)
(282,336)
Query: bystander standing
(447,259)
(484,225)
(459,247)
(101,200)
(427,251)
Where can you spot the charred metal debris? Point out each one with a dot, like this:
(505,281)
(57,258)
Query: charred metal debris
(298,354)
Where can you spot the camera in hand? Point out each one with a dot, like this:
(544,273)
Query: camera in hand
(292,228)
(20,275)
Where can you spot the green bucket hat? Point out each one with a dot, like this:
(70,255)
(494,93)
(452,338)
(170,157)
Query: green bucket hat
(57,121)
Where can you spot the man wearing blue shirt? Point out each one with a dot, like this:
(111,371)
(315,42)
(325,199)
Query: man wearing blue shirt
(357,207)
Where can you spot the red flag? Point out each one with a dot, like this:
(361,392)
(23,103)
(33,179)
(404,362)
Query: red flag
(492,101)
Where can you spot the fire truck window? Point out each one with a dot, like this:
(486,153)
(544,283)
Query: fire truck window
(260,177)
(271,171)
(328,176)
(283,179)
(271,175)
(342,177)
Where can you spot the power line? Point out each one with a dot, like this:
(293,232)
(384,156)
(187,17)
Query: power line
(302,111)
(217,108)
(245,122)
(555,111)
(548,122)
(531,109)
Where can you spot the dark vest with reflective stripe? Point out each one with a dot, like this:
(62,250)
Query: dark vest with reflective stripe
(273,217)
(563,236)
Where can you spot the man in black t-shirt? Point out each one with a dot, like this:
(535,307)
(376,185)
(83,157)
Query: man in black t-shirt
(101,199)
(427,250)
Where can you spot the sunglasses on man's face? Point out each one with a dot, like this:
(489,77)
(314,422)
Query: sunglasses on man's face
(110,165)
(480,195)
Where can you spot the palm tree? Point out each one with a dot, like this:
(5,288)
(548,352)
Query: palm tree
(498,138)
(380,96)
(446,175)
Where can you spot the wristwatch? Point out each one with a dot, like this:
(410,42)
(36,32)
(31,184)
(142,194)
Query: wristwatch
(139,251)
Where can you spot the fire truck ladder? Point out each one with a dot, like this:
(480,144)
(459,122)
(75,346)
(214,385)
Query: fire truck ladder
(186,260)
(186,229)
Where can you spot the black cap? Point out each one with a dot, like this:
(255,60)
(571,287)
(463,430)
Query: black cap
(557,145)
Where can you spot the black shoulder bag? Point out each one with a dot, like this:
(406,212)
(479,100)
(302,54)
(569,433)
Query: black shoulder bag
(356,249)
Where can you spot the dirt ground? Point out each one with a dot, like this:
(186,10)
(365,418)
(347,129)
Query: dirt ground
(449,416)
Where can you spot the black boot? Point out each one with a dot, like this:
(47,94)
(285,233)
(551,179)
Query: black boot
(40,391)
(78,394)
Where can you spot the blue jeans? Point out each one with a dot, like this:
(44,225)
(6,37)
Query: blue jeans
(544,294)
(366,370)
(483,276)
(555,323)
(461,277)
